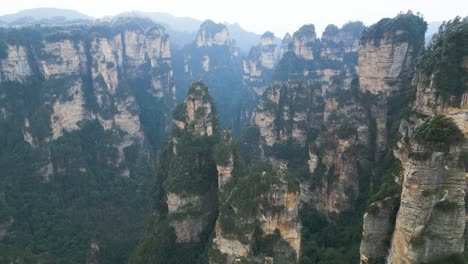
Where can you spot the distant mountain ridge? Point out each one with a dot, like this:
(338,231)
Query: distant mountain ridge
(37,14)
(181,29)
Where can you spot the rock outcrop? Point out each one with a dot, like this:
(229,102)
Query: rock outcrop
(212,34)
(330,60)
(271,213)
(386,65)
(191,212)
(94,253)
(225,165)
(430,223)
(304,42)
(197,114)
(211,50)
(259,64)
(431,220)
(15,66)
(189,215)
(385,68)
(287,111)
(377,230)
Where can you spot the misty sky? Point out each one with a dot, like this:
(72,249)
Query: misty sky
(279,16)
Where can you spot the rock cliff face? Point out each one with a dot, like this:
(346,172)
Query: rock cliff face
(15,67)
(336,158)
(332,125)
(385,67)
(259,64)
(258,72)
(304,42)
(287,111)
(296,112)
(377,229)
(189,228)
(332,59)
(226,167)
(90,103)
(94,254)
(271,213)
(211,50)
(430,222)
(286,220)
(95,70)
(291,116)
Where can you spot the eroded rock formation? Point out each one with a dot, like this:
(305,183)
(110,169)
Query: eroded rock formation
(430,222)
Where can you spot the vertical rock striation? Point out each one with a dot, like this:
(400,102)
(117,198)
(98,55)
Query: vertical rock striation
(430,223)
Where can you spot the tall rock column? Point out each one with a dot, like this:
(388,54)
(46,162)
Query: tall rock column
(259,64)
(430,223)
(386,62)
(190,190)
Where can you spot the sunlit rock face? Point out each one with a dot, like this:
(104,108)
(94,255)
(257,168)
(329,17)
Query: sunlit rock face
(15,66)
(383,68)
(386,66)
(431,220)
(428,101)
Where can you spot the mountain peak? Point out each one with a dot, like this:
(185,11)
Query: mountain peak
(212,34)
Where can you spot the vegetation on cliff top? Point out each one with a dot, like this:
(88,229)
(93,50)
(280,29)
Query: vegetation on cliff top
(440,131)
(405,27)
(211,28)
(305,30)
(443,59)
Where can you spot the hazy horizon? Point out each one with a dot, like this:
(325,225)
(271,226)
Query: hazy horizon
(260,16)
